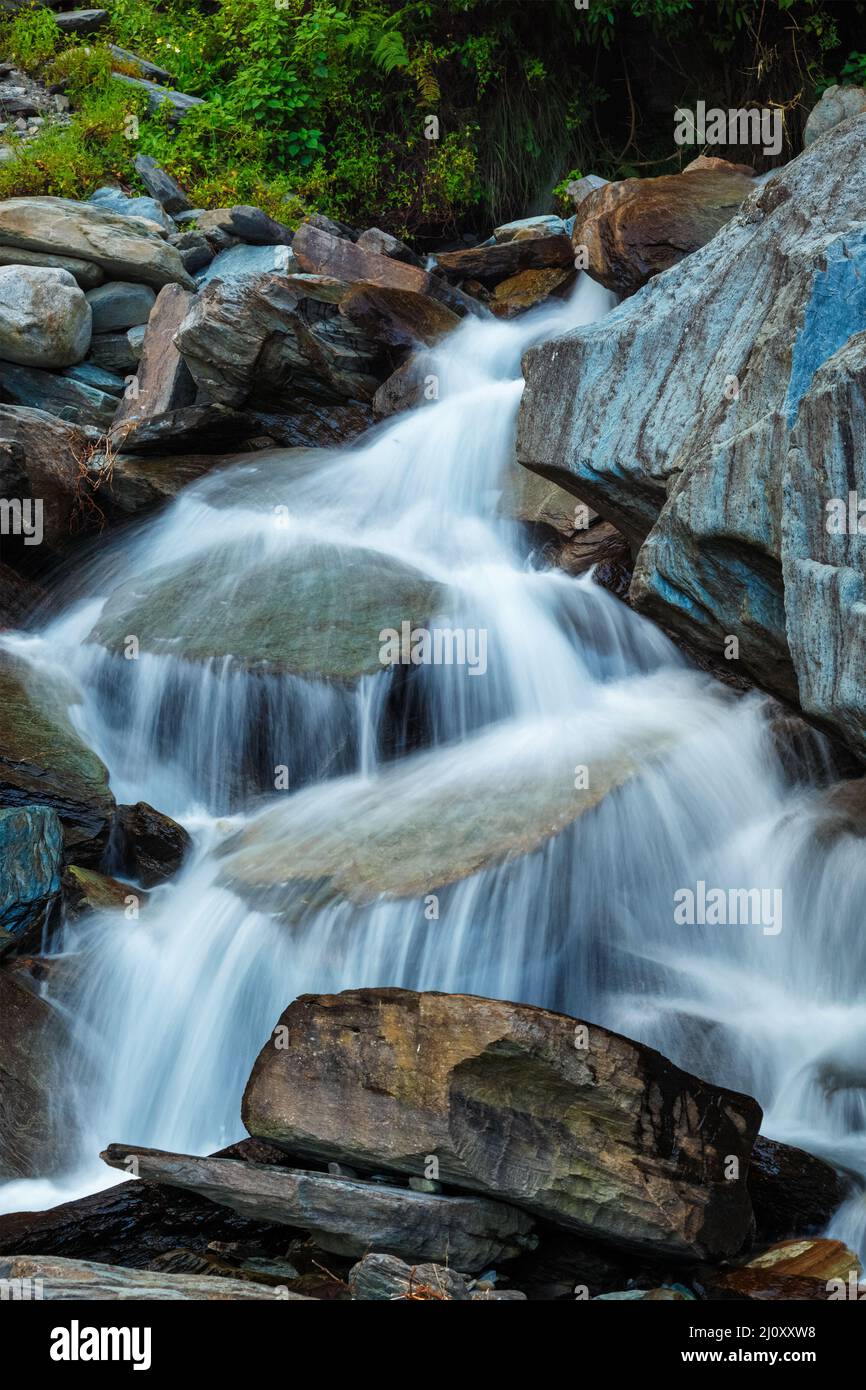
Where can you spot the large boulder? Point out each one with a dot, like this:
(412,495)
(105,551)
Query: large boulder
(398,318)
(123,247)
(261,338)
(313,611)
(44,763)
(577,1124)
(478,809)
(635,228)
(793,1192)
(45,319)
(714,417)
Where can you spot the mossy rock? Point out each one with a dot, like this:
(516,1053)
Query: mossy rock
(316,611)
(43,762)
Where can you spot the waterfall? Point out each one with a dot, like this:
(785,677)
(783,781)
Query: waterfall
(429,836)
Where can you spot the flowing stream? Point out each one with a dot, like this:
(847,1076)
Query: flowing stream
(425,822)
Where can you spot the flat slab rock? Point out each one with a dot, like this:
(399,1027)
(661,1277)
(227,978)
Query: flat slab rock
(123,247)
(346,1216)
(579,1125)
(63,1280)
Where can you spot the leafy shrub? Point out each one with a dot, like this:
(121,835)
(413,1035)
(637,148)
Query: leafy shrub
(30,36)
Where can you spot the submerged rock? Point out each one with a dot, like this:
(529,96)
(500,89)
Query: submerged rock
(316,611)
(345,1216)
(438,818)
(579,1125)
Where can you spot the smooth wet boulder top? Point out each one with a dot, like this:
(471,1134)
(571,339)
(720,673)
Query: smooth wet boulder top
(443,815)
(314,611)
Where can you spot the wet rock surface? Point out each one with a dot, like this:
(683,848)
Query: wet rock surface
(505,1100)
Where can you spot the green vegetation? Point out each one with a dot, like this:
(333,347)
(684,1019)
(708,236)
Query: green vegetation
(330,103)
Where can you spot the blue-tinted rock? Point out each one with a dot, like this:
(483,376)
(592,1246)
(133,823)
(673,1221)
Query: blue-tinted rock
(715,415)
(31,850)
(241,261)
(161,185)
(120,304)
(114,200)
(546,225)
(113,352)
(58,395)
(90,375)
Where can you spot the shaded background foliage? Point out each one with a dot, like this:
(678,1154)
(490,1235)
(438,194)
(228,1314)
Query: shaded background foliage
(323,103)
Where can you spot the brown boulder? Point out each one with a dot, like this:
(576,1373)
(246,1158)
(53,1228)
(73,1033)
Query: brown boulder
(499,262)
(577,1124)
(801,1270)
(148,845)
(398,318)
(404,388)
(793,1192)
(528,288)
(163,381)
(321,253)
(85,890)
(634,229)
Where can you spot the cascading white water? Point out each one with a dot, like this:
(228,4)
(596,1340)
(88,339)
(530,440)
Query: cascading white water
(169,1012)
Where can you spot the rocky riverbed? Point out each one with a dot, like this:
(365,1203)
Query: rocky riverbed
(205,417)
